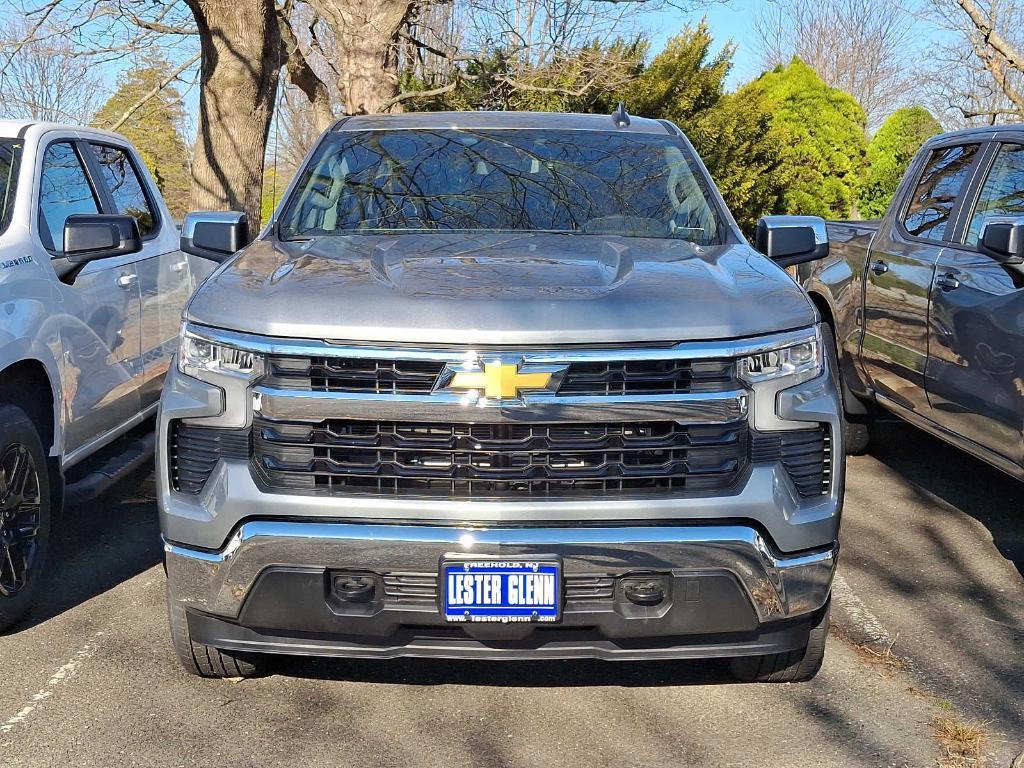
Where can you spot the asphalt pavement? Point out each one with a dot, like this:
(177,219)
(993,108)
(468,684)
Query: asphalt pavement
(928,637)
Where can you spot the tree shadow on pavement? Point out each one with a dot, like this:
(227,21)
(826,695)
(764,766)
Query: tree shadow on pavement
(98,545)
(990,496)
(934,545)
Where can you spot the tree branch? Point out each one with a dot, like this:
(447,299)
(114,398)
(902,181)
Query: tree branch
(152,93)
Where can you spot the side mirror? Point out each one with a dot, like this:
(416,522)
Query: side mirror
(1003,240)
(92,236)
(789,240)
(214,235)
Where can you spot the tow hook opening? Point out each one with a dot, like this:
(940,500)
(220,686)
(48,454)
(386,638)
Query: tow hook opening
(644,590)
(354,587)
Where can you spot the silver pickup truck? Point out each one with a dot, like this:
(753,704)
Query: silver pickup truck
(926,306)
(92,286)
(501,386)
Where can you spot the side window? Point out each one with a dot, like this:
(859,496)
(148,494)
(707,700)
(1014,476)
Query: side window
(1003,193)
(937,190)
(125,185)
(64,190)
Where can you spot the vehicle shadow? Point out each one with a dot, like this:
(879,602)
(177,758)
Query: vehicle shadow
(98,545)
(934,546)
(521,674)
(990,496)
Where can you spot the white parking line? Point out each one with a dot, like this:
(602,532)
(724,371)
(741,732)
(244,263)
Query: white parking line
(57,678)
(862,618)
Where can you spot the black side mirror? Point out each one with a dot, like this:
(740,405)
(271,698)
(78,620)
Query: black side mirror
(789,240)
(1003,240)
(92,236)
(214,235)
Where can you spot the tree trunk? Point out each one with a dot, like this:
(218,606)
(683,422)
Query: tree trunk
(304,78)
(241,59)
(365,31)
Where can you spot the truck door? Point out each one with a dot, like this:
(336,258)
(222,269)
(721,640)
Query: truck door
(975,373)
(899,274)
(165,281)
(101,320)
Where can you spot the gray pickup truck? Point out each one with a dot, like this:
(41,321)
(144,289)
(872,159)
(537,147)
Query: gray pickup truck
(926,306)
(92,286)
(501,386)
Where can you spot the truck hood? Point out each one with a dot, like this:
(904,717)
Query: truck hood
(500,289)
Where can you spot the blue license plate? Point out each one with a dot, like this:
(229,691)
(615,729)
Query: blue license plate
(501,590)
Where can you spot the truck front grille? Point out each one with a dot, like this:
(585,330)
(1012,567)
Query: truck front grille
(417,377)
(462,460)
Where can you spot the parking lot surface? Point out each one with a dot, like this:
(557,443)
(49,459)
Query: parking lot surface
(925,666)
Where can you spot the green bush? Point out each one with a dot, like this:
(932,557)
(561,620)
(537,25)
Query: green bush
(889,154)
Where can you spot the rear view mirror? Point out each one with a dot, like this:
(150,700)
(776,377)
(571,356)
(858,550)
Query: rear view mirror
(214,235)
(92,236)
(1003,240)
(789,240)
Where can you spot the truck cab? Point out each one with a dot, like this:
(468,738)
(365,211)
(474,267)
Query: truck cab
(926,306)
(92,287)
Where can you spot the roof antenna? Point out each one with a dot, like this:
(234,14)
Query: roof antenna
(620,117)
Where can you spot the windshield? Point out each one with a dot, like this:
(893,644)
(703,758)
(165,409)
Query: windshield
(10,156)
(594,182)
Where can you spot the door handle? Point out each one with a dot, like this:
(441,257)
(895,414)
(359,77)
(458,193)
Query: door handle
(178,266)
(947,282)
(127,281)
(879,267)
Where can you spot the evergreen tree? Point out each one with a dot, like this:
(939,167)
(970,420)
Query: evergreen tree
(685,83)
(821,130)
(889,154)
(154,129)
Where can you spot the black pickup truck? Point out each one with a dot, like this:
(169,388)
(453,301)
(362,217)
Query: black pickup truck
(926,305)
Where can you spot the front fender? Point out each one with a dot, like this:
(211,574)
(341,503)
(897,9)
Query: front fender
(29,333)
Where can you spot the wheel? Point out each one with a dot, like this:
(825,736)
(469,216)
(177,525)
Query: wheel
(856,435)
(25,509)
(203,660)
(797,666)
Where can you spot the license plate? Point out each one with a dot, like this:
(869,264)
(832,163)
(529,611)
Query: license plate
(501,591)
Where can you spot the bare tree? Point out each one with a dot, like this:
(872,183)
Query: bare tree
(978,74)
(43,77)
(860,46)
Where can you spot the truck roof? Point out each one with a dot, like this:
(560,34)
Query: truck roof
(515,120)
(19,129)
(979,132)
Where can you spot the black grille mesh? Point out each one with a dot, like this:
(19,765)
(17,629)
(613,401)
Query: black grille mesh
(498,459)
(415,377)
(806,454)
(194,452)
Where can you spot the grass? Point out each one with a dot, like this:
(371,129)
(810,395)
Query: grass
(961,742)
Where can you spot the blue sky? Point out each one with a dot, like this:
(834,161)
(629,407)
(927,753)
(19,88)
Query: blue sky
(732,20)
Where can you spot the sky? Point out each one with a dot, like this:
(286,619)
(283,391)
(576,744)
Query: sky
(731,20)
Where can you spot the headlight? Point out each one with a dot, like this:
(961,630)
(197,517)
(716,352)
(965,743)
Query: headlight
(802,361)
(197,354)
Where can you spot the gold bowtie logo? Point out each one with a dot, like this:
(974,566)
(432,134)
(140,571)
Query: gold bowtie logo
(501,381)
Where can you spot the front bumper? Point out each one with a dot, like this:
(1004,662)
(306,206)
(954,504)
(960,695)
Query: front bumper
(726,592)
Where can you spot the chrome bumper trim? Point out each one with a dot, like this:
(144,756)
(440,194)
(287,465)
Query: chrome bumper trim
(778,587)
(703,408)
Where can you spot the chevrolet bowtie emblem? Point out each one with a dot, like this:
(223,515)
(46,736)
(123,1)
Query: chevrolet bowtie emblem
(500,379)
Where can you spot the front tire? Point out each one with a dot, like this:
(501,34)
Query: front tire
(797,666)
(25,512)
(204,660)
